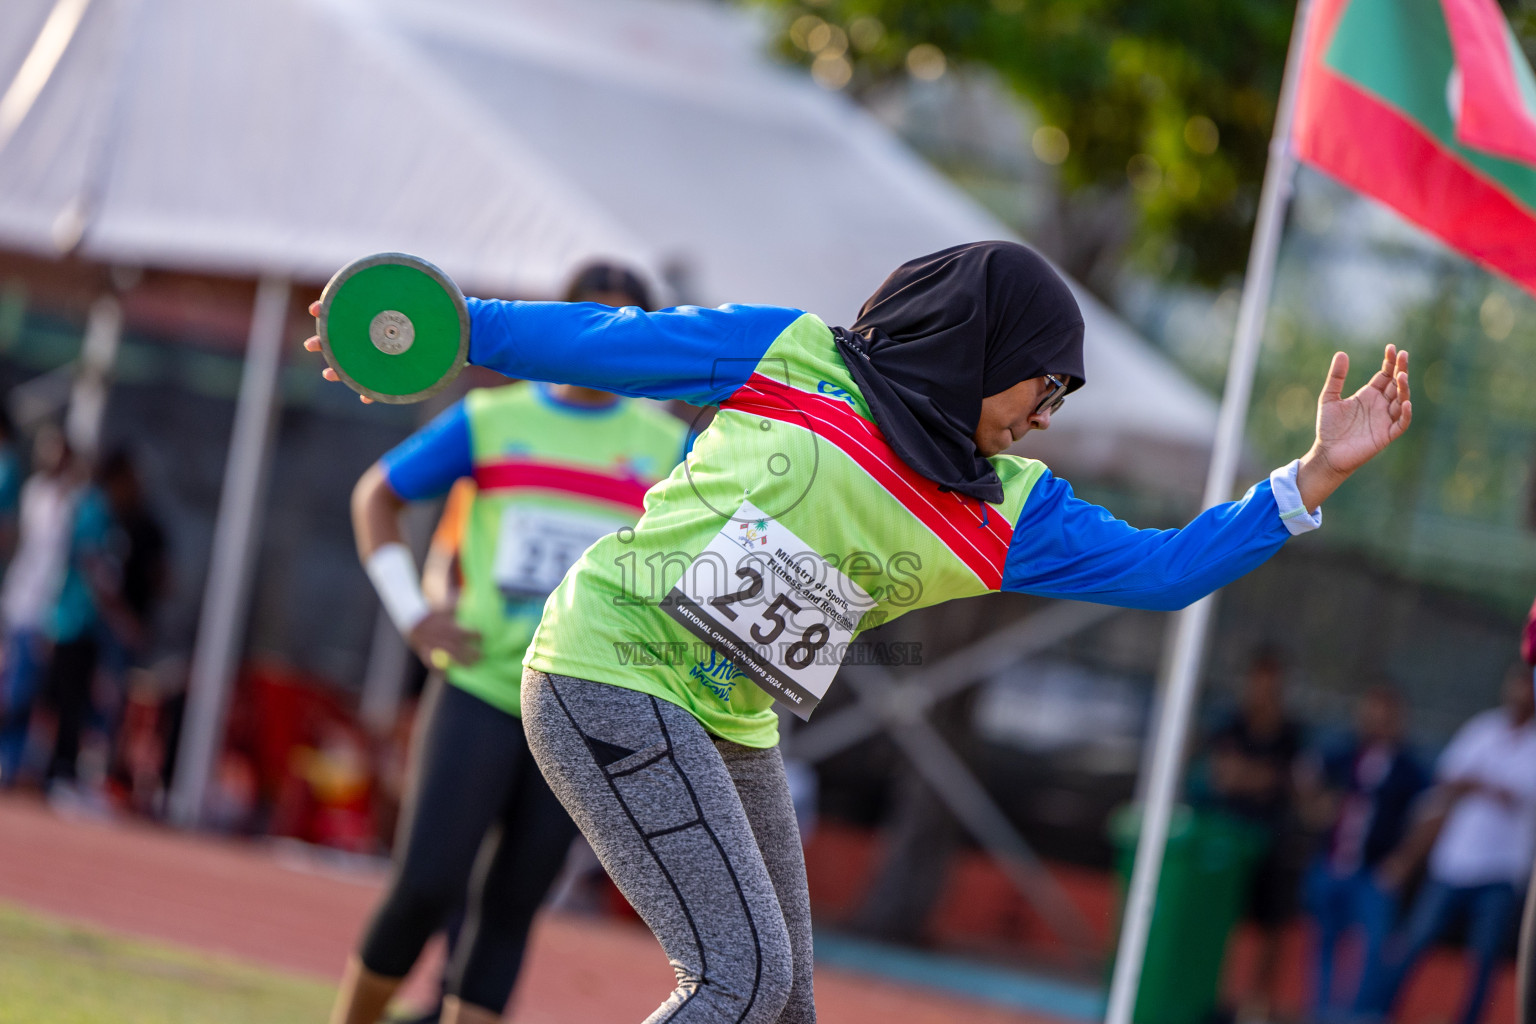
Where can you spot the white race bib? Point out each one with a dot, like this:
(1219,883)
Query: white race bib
(780,612)
(535,547)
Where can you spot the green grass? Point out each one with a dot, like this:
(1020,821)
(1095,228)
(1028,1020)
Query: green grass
(56,973)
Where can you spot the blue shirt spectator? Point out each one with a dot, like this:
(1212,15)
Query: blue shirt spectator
(1363,792)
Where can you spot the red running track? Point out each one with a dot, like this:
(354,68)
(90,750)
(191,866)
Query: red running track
(256,903)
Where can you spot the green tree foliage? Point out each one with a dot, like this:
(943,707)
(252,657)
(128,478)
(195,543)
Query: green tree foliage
(1168,101)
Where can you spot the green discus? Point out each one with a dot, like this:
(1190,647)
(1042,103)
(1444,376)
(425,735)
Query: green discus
(394,327)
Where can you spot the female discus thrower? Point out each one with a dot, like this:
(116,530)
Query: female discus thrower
(556,466)
(850,476)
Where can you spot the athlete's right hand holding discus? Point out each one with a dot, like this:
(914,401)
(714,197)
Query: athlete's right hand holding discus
(312,344)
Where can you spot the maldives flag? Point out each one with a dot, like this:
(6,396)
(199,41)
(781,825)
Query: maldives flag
(1430,107)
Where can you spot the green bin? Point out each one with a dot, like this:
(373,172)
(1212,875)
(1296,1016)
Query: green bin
(1200,896)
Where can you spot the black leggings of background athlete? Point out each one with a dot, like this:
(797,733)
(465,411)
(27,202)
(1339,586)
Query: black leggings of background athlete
(473,786)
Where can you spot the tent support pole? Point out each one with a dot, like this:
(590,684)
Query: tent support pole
(226,597)
(88,396)
(1191,625)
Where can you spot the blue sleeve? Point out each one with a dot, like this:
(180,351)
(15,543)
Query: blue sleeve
(1065,547)
(698,355)
(427,463)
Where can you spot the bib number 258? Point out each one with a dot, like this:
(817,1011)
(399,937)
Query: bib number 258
(763,598)
(798,654)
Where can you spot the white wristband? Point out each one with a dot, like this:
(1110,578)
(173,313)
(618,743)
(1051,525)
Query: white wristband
(1293,512)
(394,576)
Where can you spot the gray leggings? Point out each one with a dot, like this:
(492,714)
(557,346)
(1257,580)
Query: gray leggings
(700,836)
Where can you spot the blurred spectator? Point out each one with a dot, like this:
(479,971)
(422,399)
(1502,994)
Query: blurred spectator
(73,626)
(129,596)
(1482,830)
(140,550)
(33,583)
(10,487)
(1252,760)
(1361,794)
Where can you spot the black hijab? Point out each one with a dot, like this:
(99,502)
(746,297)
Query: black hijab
(946,330)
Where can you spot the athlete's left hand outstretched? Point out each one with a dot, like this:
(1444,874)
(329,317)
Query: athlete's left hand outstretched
(1350,431)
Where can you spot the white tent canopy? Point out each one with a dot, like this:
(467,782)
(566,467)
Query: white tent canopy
(508,141)
(281,136)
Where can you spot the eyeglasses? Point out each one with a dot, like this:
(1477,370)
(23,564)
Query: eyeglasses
(1054,397)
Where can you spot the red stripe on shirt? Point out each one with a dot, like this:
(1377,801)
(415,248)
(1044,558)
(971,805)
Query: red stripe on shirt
(550,476)
(977,533)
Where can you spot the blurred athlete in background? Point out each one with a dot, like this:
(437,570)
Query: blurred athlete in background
(555,467)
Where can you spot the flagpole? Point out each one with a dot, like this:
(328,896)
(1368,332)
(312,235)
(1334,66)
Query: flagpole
(1188,633)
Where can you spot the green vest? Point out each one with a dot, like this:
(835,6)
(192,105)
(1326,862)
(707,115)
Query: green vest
(793,474)
(550,478)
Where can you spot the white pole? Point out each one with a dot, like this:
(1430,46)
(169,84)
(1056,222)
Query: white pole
(1190,625)
(88,396)
(384,677)
(221,627)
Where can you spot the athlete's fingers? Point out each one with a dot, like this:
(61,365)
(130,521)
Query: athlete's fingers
(1383,377)
(312,344)
(329,374)
(1404,417)
(314,308)
(1333,387)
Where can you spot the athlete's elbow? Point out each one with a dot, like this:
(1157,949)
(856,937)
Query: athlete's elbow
(1172,598)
